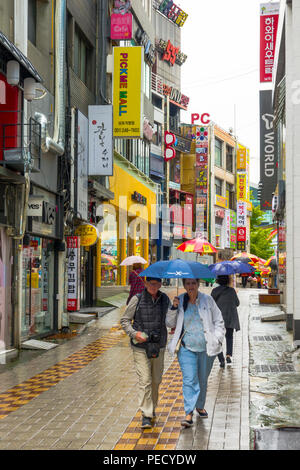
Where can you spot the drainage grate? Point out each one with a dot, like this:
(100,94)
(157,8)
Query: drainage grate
(274,368)
(268,338)
(255,318)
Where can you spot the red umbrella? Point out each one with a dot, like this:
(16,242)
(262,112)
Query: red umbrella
(197,245)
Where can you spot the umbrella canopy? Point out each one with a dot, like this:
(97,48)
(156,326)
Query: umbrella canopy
(246,257)
(108,260)
(197,245)
(225,268)
(265,272)
(130,260)
(177,269)
(271,262)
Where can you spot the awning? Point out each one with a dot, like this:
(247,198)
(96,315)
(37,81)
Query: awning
(7,176)
(10,52)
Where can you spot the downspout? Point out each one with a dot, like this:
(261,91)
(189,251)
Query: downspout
(57,143)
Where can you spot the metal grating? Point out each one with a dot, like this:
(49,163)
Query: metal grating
(255,318)
(268,338)
(274,368)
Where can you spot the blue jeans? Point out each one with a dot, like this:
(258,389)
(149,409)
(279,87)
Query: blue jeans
(195,368)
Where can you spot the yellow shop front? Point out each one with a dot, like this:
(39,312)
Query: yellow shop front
(126,223)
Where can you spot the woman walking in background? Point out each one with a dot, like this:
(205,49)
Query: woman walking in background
(200,325)
(227,301)
(137,284)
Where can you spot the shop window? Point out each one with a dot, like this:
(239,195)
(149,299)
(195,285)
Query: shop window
(218,152)
(109,259)
(37,287)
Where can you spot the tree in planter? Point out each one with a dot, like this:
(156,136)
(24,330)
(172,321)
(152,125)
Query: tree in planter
(259,243)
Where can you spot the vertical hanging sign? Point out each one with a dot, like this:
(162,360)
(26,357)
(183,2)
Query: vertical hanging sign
(73,250)
(127,92)
(269,13)
(100,141)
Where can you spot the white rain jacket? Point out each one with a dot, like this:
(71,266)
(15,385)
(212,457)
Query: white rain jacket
(213,324)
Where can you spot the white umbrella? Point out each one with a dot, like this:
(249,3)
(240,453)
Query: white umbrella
(133,260)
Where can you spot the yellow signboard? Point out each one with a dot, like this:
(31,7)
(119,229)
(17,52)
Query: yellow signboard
(88,234)
(241,186)
(127,91)
(221,201)
(241,158)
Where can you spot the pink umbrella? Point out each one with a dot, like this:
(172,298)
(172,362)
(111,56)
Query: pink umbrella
(130,260)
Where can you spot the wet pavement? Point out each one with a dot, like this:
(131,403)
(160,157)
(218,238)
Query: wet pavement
(82,395)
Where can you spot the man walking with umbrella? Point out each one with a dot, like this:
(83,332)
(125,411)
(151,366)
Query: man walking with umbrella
(145,320)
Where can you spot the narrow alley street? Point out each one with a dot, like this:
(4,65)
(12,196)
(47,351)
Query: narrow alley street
(83,395)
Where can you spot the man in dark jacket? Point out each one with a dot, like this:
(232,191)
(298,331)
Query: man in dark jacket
(227,301)
(145,320)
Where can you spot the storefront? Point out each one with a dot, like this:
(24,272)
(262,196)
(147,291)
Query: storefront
(37,286)
(40,280)
(127,220)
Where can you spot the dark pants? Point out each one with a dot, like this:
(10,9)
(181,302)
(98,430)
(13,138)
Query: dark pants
(229,344)
(244,281)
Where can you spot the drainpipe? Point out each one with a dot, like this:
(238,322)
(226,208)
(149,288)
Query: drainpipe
(57,143)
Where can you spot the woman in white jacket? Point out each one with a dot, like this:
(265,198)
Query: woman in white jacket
(200,324)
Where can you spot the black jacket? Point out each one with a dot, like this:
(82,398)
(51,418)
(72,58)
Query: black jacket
(227,301)
(150,317)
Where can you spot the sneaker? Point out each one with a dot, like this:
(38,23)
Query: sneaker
(146,423)
(228,360)
(222,364)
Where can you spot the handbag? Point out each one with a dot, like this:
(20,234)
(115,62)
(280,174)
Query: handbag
(178,345)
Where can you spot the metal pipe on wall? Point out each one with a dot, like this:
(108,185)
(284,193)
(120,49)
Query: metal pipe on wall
(57,143)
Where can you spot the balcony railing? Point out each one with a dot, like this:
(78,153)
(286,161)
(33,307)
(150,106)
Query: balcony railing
(157,83)
(20,145)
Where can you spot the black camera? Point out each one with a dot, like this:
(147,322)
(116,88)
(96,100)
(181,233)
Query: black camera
(154,337)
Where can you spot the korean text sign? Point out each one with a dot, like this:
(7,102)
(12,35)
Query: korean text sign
(242,186)
(269,13)
(127,92)
(100,140)
(241,214)
(73,250)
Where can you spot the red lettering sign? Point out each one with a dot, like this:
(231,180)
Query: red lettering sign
(204,118)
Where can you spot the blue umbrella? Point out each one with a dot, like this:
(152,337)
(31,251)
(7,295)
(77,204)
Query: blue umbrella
(225,268)
(177,269)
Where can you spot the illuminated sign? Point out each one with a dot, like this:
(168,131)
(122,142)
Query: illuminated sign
(170,53)
(121,26)
(176,96)
(242,186)
(170,140)
(204,118)
(88,234)
(173,12)
(241,159)
(143,39)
